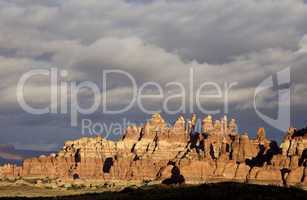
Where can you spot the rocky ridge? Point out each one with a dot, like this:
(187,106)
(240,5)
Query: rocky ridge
(176,154)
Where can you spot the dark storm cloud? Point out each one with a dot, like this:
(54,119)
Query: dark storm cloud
(222,40)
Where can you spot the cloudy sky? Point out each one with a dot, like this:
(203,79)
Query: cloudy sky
(225,41)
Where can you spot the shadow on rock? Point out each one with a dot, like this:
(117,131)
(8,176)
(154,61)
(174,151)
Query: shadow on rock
(176,177)
(264,156)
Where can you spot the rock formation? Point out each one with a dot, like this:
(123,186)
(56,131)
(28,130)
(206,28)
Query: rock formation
(158,152)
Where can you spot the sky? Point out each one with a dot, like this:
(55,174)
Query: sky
(162,41)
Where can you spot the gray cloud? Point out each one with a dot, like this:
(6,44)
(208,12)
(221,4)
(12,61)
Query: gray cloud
(241,41)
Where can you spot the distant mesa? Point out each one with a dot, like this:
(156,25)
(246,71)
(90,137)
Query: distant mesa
(176,155)
(8,154)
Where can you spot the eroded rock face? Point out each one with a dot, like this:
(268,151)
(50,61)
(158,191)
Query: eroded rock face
(176,154)
(9,170)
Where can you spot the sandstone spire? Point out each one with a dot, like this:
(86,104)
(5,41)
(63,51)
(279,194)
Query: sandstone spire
(233,127)
(261,136)
(154,126)
(207,124)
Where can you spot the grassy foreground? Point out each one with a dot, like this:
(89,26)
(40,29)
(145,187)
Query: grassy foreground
(229,191)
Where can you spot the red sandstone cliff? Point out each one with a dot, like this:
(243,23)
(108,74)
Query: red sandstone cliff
(176,154)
